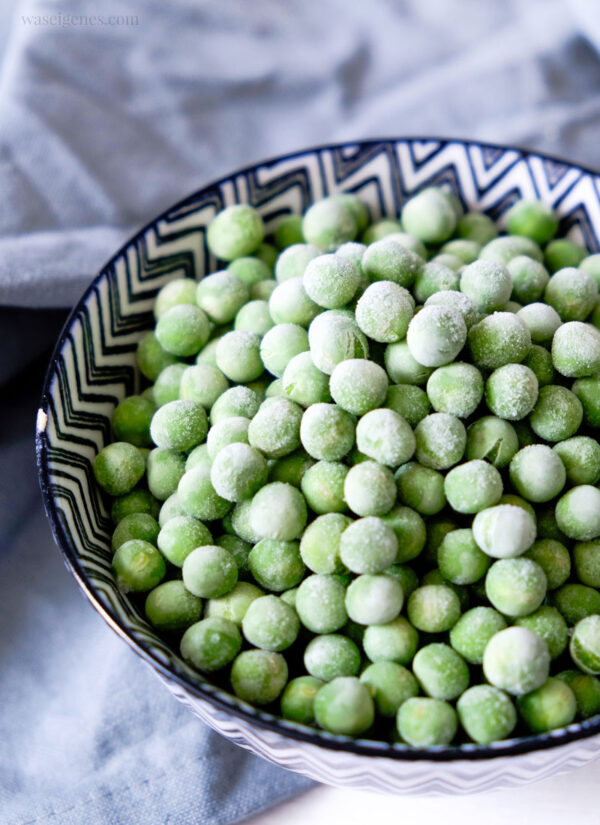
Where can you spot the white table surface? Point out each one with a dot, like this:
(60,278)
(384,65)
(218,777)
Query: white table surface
(567,799)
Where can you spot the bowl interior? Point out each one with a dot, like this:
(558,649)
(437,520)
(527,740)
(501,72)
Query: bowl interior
(93,365)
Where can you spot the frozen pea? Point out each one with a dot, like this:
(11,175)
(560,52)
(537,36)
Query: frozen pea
(541,320)
(183,330)
(291,468)
(369,489)
(561,253)
(330,656)
(328,223)
(387,260)
(334,336)
(368,545)
(517,501)
(471,633)
(529,278)
(280,344)
(434,577)
(358,207)
(586,689)
(550,706)
(503,250)
(238,471)
(587,391)
(179,536)
(250,270)
(320,603)
(504,531)
(320,543)
(576,602)
(539,361)
(455,389)
(198,496)
(177,291)
(278,511)
(548,623)
(429,216)
(586,556)
(405,575)
(459,301)
(576,350)
(436,335)
(273,389)
(262,290)
(209,571)
(386,437)
(434,277)
(138,566)
(572,293)
(207,354)
(270,624)
(288,231)
(554,559)
(463,248)
(168,384)
(532,219)
(344,706)
(151,357)
(512,306)
(179,425)
(515,587)
(331,281)
(499,339)
(289,303)
(384,310)
(591,265)
(459,558)
(238,356)
(476,226)
(381,229)
(433,608)
(118,467)
(374,599)
(221,295)
(358,385)
(410,531)
(511,391)
(237,522)
(516,660)
(202,383)
(486,713)
(234,232)
(395,641)
(426,722)
(448,261)
(390,685)
(537,473)
(275,429)
(258,676)
(293,261)
(171,508)
(327,432)
(487,283)
(585,644)
(408,401)
(239,549)
(276,565)
(235,402)
(227,431)
(254,317)
(233,605)
(298,699)
(473,486)
(581,458)
(441,440)
(131,420)
(557,414)
(303,382)
(172,608)
(323,486)
(136,501)
(420,488)
(440,671)
(402,367)
(493,439)
(211,643)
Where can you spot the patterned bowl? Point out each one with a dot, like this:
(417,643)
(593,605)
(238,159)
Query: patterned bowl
(93,367)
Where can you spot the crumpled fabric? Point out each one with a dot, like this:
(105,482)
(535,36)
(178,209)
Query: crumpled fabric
(104,125)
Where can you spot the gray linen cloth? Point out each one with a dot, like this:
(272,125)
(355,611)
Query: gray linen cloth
(101,126)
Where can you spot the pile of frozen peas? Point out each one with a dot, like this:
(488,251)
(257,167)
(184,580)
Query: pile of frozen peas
(360,490)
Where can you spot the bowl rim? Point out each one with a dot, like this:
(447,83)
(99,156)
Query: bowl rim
(223,700)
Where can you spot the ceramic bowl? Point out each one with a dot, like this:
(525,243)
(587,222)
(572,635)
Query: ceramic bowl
(93,367)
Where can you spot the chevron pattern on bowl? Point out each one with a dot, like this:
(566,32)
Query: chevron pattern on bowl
(93,367)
